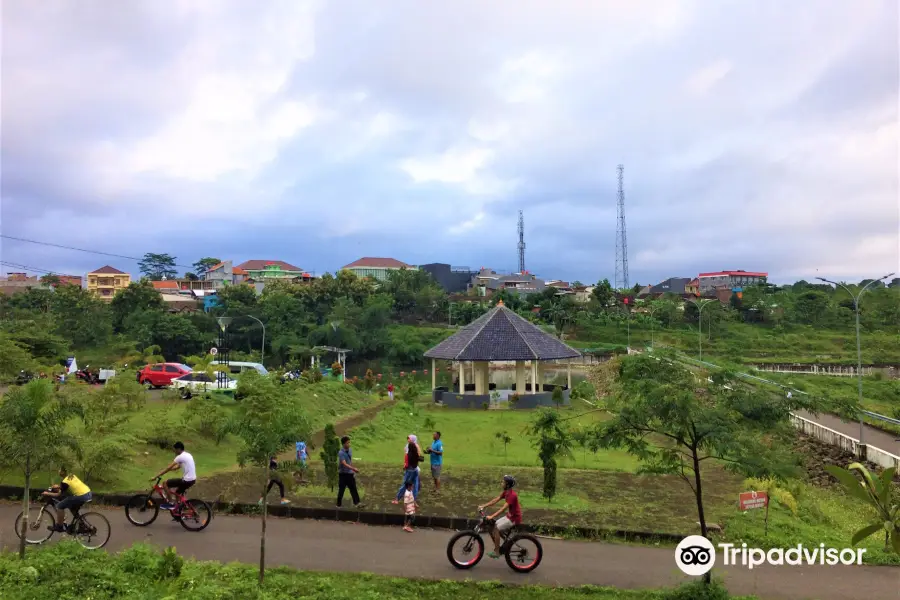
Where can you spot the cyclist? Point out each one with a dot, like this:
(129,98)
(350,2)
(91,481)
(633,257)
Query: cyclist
(513,516)
(76,492)
(178,486)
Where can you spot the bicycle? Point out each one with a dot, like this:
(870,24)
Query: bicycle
(514,548)
(91,529)
(142,509)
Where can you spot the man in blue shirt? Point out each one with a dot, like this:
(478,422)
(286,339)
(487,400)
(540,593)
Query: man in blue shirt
(347,473)
(437,459)
(302,456)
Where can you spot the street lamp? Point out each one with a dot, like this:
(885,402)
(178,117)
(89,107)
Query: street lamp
(701,304)
(221,378)
(262,349)
(858,344)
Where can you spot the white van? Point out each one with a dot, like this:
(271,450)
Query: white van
(237,367)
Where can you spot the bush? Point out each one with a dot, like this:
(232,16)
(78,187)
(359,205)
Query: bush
(311,375)
(164,430)
(208,418)
(697,590)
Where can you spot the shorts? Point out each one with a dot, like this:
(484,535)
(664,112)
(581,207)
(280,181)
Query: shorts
(436,471)
(504,524)
(179,485)
(73,503)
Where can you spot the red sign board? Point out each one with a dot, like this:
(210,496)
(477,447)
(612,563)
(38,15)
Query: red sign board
(751,500)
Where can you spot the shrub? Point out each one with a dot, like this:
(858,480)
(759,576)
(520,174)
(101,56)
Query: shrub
(311,375)
(698,590)
(329,455)
(336,368)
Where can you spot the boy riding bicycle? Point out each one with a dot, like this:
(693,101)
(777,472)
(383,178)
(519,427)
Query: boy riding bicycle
(511,519)
(77,494)
(178,486)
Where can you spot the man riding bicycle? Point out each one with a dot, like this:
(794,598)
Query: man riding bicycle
(76,492)
(513,516)
(178,486)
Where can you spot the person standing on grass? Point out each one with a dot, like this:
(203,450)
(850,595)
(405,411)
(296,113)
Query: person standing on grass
(410,469)
(347,473)
(390,390)
(302,456)
(437,459)
(274,479)
(409,505)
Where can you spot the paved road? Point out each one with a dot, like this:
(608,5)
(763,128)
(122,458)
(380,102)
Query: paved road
(330,546)
(872,436)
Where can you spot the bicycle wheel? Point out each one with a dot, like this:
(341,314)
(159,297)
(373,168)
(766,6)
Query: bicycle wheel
(39,521)
(470,547)
(523,553)
(141,510)
(195,515)
(92,530)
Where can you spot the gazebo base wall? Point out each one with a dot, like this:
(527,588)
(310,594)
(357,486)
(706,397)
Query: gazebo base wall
(452,399)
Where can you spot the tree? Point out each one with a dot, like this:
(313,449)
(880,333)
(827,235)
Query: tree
(673,419)
(202,266)
(50,279)
(552,440)
(877,492)
(557,396)
(504,438)
(139,296)
(329,455)
(603,294)
(32,432)
(13,358)
(158,266)
(268,423)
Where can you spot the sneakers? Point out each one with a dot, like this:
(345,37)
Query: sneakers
(57,527)
(285,501)
(408,529)
(493,555)
(167,506)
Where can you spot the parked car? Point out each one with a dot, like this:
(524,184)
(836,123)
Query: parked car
(162,374)
(192,383)
(238,367)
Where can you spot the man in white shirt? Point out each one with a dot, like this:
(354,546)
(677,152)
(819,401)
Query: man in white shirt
(185,462)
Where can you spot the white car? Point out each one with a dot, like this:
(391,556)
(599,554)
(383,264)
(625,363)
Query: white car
(202,382)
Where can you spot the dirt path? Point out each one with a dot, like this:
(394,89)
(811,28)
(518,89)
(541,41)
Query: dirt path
(347,547)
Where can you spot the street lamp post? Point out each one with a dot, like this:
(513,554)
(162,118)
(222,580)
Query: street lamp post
(701,304)
(262,349)
(856,298)
(224,351)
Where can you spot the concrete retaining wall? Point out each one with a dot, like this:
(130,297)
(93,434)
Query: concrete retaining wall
(888,371)
(844,442)
(451,399)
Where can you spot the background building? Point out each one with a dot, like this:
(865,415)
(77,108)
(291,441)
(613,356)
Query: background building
(377,268)
(454,280)
(733,280)
(106,282)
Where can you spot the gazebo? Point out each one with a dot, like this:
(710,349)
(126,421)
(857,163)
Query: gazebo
(500,335)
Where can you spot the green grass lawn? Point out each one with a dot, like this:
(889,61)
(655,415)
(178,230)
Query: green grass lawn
(469,438)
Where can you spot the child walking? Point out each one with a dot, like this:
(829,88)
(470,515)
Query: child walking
(410,504)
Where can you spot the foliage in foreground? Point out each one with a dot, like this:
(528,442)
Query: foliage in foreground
(877,492)
(68,572)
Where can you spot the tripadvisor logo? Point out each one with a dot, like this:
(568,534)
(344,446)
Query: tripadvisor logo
(695,555)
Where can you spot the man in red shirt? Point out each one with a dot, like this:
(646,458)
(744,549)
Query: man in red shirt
(513,516)
(390,390)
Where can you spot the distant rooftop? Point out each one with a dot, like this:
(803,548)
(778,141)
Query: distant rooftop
(373,262)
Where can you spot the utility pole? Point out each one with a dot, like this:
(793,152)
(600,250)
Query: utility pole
(856,298)
(701,304)
(521,243)
(621,282)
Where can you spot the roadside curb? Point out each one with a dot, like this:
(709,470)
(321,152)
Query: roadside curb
(382,518)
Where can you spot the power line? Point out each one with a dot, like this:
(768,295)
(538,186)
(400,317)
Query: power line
(25,267)
(18,239)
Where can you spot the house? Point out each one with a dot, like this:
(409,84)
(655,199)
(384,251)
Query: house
(454,280)
(672,285)
(488,281)
(223,274)
(733,280)
(693,287)
(177,303)
(165,285)
(259,270)
(15,283)
(106,282)
(376,268)
(583,293)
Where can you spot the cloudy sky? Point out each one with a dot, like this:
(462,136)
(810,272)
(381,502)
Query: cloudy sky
(757,135)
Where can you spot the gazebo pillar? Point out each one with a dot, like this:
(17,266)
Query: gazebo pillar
(433,375)
(568,374)
(534,376)
(462,378)
(520,377)
(487,377)
(541,375)
(478,375)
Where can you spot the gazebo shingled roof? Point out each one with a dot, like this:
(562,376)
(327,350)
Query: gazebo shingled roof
(501,334)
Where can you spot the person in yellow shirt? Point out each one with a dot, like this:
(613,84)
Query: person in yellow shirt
(76,495)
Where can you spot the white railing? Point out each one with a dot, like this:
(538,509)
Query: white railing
(844,442)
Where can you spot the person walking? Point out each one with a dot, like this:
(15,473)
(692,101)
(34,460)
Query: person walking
(411,469)
(347,473)
(302,457)
(437,459)
(390,390)
(274,480)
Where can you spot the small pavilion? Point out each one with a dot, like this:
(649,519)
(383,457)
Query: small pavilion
(500,335)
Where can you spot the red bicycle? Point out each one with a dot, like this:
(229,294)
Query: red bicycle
(142,509)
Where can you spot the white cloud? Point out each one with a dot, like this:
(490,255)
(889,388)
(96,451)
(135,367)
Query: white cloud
(702,81)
